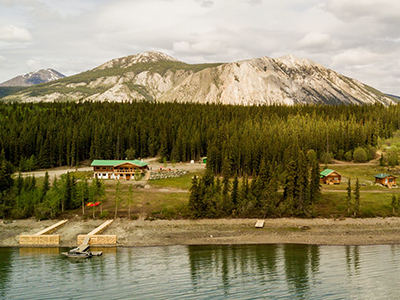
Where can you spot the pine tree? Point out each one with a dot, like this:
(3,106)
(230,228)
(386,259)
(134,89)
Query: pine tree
(195,199)
(394,204)
(357,198)
(45,186)
(315,184)
(348,198)
(235,192)
(290,189)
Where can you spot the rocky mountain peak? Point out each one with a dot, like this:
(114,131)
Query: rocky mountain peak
(293,61)
(32,78)
(145,57)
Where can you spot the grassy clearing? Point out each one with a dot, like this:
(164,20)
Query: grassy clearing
(333,205)
(183,182)
(160,203)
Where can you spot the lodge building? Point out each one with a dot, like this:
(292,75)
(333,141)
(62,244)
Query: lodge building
(117,169)
(329,176)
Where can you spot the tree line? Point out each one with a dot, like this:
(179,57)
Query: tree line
(268,147)
(212,197)
(21,197)
(46,135)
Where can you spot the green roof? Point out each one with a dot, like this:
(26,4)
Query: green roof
(326,172)
(100,162)
(381,175)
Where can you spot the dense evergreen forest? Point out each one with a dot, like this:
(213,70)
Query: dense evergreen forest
(57,134)
(277,146)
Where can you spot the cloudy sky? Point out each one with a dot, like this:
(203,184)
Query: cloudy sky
(358,38)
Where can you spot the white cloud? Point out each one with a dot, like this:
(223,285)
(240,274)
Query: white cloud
(315,40)
(348,10)
(11,33)
(206,47)
(356,58)
(32,64)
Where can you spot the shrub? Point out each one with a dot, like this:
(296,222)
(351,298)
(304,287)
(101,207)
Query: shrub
(348,155)
(326,158)
(360,155)
(103,215)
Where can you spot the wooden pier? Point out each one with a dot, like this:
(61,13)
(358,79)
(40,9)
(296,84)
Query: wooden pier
(96,238)
(44,237)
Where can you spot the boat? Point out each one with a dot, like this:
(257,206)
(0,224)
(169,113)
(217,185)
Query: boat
(83,251)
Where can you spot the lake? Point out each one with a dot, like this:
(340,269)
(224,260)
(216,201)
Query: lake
(204,272)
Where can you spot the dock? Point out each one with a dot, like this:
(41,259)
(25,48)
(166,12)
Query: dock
(96,238)
(44,237)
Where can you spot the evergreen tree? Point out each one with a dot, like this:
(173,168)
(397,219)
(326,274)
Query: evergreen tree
(394,204)
(45,186)
(290,189)
(357,198)
(195,200)
(235,192)
(315,183)
(348,198)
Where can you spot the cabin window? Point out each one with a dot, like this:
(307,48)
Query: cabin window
(390,179)
(336,178)
(104,175)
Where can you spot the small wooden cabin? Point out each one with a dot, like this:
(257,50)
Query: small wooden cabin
(385,179)
(329,176)
(117,169)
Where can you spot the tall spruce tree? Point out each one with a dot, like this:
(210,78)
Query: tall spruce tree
(235,193)
(357,198)
(315,183)
(348,197)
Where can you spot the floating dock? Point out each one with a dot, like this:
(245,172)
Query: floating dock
(96,238)
(44,237)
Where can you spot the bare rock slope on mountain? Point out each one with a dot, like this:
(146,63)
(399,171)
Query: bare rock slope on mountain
(32,78)
(155,76)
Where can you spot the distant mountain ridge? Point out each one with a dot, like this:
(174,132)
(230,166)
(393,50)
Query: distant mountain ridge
(155,76)
(33,78)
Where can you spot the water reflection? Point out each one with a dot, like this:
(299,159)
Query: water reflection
(5,270)
(27,251)
(352,260)
(203,272)
(301,264)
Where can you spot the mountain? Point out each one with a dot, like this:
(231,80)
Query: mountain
(32,78)
(155,76)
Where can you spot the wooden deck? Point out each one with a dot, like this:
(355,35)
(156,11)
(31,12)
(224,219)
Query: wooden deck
(96,238)
(44,237)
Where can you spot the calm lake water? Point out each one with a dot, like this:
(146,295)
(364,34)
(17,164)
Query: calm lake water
(204,272)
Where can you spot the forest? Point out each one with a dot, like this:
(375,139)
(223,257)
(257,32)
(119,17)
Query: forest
(268,147)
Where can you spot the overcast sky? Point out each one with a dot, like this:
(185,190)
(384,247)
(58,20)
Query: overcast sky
(357,38)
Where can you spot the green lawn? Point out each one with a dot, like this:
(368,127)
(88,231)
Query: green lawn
(183,182)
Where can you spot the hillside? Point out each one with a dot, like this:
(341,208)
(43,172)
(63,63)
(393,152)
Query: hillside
(33,78)
(154,76)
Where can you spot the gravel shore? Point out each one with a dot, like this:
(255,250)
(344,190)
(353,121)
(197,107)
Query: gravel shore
(221,231)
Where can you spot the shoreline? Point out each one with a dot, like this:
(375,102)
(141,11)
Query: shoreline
(141,233)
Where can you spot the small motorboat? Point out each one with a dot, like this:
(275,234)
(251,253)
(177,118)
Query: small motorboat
(83,251)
